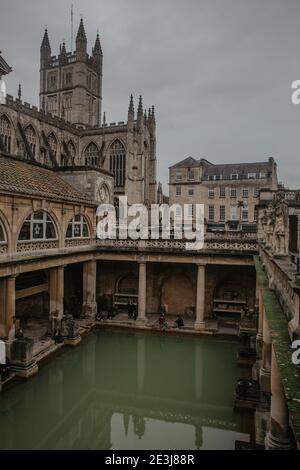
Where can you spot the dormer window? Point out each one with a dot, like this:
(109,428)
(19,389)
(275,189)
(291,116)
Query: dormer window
(263,175)
(211,178)
(251,176)
(234,176)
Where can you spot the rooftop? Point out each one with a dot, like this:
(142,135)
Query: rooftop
(20,177)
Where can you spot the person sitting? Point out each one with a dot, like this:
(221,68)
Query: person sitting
(179,323)
(100,316)
(162,321)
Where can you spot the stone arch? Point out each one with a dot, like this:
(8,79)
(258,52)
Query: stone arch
(127,284)
(69,232)
(178,294)
(117,162)
(5,235)
(53,218)
(91,154)
(6,132)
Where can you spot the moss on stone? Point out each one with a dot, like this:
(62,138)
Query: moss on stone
(278,325)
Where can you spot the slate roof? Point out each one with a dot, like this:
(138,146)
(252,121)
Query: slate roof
(242,169)
(20,177)
(190,162)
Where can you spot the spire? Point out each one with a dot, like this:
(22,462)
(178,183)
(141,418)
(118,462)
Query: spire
(153,114)
(81,32)
(140,108)
(131,105)
(140,114)
(45,42)
(97,48)
(81,42)
(63,58)
(45,55)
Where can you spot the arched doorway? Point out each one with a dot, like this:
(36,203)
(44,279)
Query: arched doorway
(178,294)
(126,290)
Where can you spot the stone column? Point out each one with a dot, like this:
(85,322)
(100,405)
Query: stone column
(89,307)
(200,298)
(265,371)
(10,307)
(142,292)
(259,336)
(56,296)
(279,435)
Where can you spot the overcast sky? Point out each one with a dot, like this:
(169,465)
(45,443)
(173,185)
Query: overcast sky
(218,71)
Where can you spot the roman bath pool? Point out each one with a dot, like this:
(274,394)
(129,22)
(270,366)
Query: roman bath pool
(126,390)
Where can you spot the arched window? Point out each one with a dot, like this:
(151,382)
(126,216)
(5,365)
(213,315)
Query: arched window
(91,154)
(5,133)
(38,226)
(78,227)
(2,233)
(53,144)
(117,163)
(31,138)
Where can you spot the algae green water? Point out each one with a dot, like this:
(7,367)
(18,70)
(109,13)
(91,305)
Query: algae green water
(123,390)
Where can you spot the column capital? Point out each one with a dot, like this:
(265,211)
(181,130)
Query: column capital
(201,264)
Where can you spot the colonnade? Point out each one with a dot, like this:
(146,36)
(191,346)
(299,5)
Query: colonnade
(200,294)
(279,434)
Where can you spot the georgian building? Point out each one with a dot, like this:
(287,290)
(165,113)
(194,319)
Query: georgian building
(229,192)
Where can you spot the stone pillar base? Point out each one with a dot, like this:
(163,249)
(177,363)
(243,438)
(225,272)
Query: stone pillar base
(72,341)
(141,321)
(25,371)
(265,380)
(199,325)
(278,442)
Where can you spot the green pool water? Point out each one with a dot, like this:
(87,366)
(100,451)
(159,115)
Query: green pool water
(122,390)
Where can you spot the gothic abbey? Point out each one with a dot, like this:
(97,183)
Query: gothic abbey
(68,134)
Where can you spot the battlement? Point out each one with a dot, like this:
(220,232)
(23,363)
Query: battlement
(34,112)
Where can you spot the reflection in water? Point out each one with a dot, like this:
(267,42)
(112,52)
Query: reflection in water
(128,391)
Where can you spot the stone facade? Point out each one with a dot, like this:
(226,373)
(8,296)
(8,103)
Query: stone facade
(66,131)
(229,192)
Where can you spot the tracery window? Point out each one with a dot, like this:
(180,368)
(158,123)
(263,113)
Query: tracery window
(117,163)
(78,227)
(5,133)
(91,154)
(38,226)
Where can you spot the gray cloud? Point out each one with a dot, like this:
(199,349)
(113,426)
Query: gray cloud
(218,71)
